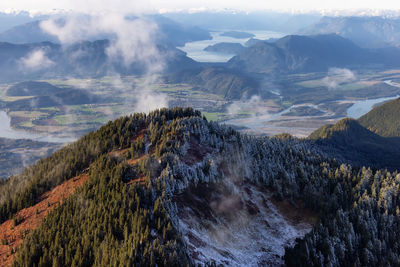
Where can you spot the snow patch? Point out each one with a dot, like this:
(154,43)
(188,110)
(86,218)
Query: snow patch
(237,224)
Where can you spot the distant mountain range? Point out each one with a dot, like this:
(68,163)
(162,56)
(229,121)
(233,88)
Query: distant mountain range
(169,32)
(244,21)
(368,31)
(85,59)
(351,141)
(9,20)
(317,53)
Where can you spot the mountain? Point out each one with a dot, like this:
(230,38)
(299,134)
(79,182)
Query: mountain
(226,48)
(86,59)
(365,31)
(32,88)
(383,120)
(229,84)
(43,94)
(169,188)
(29,32)
(349,141)
(252,41)
(177,34)
(298,54)
(245,21)
(169,32)
(9,20)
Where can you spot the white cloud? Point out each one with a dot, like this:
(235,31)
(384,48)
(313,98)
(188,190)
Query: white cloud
(36,60)
(133,40)
(337,76)
(253,104)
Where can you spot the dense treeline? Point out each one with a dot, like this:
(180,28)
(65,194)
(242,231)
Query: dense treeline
(383,120)
(360,229)
(109,222)
(106,223)
(350,142)
(23,190)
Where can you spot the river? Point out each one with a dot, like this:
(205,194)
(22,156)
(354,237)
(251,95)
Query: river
(7,132)
(267,120)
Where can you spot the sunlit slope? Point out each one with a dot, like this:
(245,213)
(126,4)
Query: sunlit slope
(383,120)
(350,141)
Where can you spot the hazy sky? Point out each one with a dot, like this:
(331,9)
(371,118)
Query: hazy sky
(155,5)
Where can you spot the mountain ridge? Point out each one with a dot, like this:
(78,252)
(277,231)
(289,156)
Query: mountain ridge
(139,164)
(314,53)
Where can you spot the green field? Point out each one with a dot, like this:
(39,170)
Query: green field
(119,96)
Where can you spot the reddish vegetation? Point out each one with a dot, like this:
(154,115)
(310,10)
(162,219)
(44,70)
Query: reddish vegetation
(12,236)
(141,180)
(119,153)
(139,135)
(134,161)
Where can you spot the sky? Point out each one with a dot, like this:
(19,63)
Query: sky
(140,6)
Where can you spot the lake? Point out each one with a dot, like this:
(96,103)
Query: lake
(195,50)
(362,107)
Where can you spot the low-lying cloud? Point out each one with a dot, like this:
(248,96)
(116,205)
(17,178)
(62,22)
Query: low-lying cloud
(36,60)
(253,104)
(337,76)
(132,41)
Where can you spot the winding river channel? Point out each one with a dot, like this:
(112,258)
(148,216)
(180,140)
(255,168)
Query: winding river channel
(358,109)
(7,132)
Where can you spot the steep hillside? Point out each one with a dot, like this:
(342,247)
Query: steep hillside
(14,231)
(351,142)
(169,188)
(383,120)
